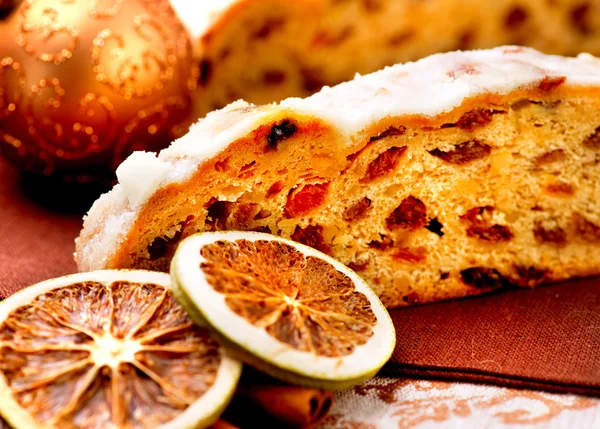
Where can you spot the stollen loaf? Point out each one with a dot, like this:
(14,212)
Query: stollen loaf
(455,175)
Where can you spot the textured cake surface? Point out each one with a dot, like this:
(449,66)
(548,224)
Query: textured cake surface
(455,175)
(268,50)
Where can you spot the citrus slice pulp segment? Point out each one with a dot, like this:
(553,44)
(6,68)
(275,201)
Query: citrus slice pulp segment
(108,349)
(286,308)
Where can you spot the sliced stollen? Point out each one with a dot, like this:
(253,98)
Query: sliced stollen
(268,50)
(451,176)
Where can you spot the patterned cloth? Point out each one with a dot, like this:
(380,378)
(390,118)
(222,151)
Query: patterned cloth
(391,403)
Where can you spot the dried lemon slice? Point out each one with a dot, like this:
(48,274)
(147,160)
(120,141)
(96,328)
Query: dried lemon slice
(283,307)
(108,349)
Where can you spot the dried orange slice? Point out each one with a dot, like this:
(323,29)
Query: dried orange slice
(108,349)
(283,307)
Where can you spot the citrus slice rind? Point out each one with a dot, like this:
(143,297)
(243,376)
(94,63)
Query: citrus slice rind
(283,307)
(108,349)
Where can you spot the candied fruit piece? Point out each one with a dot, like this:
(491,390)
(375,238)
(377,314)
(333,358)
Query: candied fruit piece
(275,188)
(550,157)
(413,256)
(411,214)
(383,164)
(549,83)
(306,199)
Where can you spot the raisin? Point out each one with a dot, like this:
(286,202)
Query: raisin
(206,69)
(478,215)
(305,200)
(435,226)
(549,234)
(463,153)
(384,244)
(593,140)
(218,213)
(311,80)
(465,40)
(358,266)
(275,189)
(579,18)
(483,278)
(481,226)
(372,6)
(529,276)
(550,157)
(390,132)
(383,164)
(515,18)
(476,118)
(358,210)
(160,245)
(280,132)
(311,236)
(411,214)
(495,233)
(560,188)
(586,229)
(325,38)
(267,28)
(549,83)
(401,38)
(410,255)
(411,298)
(444,276)
(273,77)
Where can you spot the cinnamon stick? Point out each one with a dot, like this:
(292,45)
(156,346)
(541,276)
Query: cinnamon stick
(293,406)
(222,424)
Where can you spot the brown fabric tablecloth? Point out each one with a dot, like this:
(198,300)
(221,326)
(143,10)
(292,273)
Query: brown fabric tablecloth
(545,338)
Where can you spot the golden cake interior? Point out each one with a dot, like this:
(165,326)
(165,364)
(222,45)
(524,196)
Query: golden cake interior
(501,194)
(266,50)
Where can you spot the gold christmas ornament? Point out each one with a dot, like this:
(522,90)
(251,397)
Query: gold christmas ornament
(83,83)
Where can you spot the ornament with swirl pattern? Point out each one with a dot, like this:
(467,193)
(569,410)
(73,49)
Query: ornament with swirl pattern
(85,82)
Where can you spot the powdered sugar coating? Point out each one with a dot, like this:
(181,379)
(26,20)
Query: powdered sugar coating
(429,87)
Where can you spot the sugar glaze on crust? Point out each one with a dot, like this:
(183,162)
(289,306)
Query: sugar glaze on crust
(387,129)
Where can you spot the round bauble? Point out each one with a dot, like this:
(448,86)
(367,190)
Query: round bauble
(83,83)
